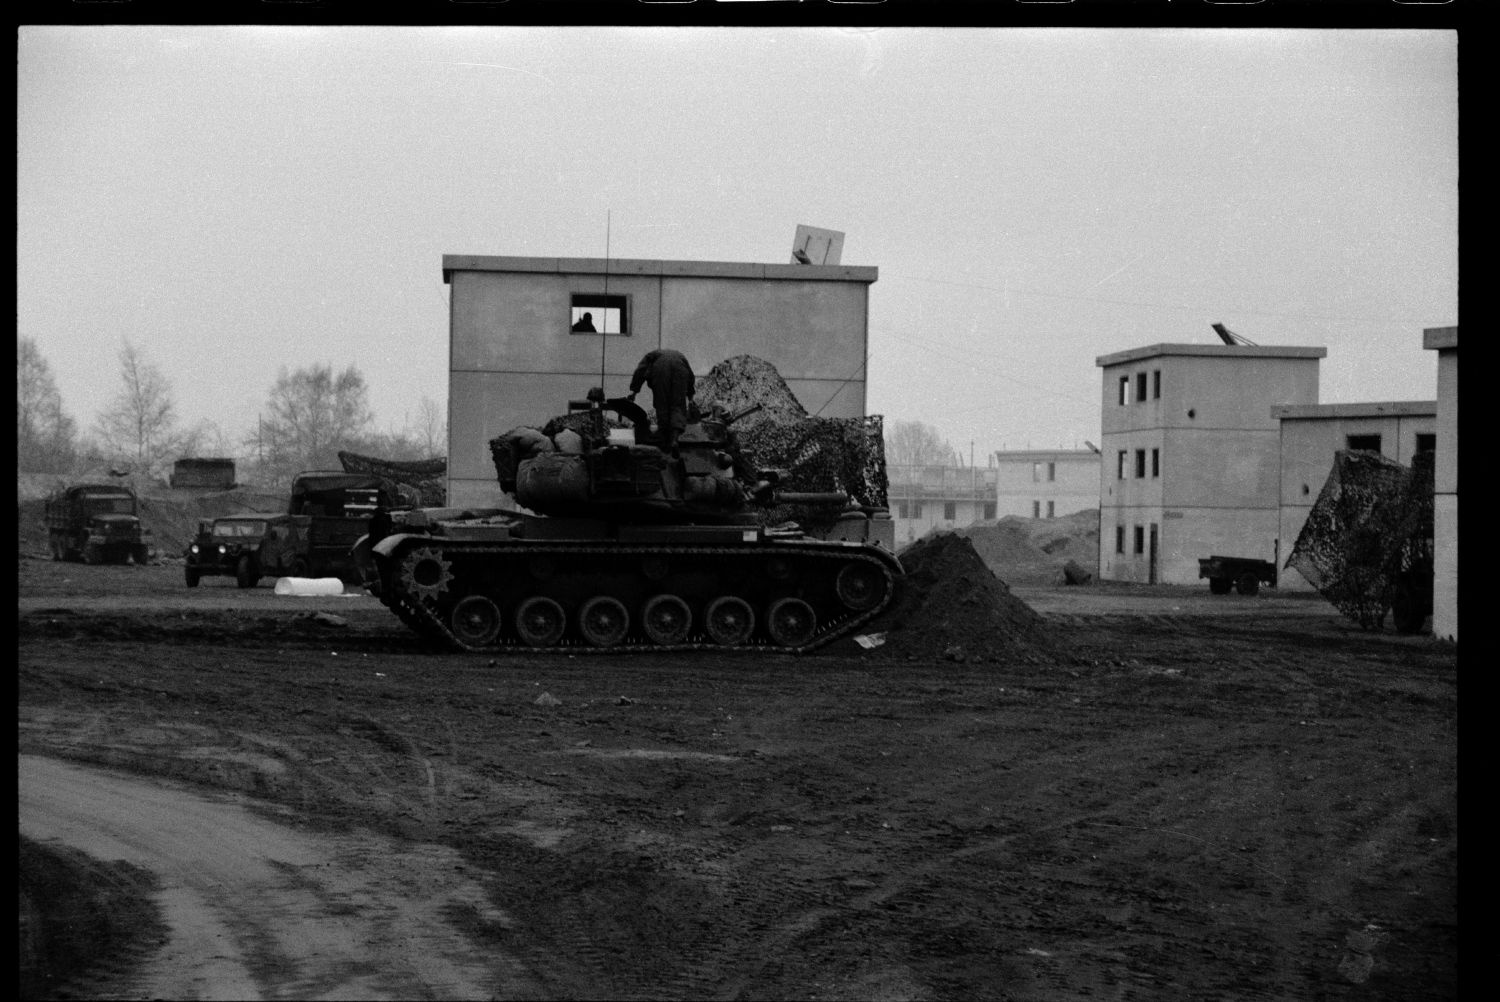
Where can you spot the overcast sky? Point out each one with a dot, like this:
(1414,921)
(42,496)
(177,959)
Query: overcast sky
(233,200)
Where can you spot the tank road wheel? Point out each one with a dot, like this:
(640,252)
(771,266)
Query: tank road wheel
(190,575)
(540,622)
(1219,586)
(603,621)
(425,573)
(791,622)
(244,573)
(1247,584)
(729,620)
(860,586)
(475,620)
(666,619)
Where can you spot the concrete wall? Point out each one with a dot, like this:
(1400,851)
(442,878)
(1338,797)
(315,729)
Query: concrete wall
(1066,478)
(1444,340)
(513,360)
(1311,435)
(1211,486)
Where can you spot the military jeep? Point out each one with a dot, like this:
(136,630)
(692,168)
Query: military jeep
(248,547)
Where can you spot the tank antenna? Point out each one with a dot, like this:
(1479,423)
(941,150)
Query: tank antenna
(604,311)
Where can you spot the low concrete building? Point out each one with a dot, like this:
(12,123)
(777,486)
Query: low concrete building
(203,474)
(1041,483)
(1311,434)
(923,498)
(1189,466)
(1444,341)
(526,335)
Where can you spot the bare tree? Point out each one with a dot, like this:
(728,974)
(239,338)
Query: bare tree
(46,438)
(140,426)
(913,443)
(311,414)
(432,428)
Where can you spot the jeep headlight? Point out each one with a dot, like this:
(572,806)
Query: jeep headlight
(193,548)
(223,548)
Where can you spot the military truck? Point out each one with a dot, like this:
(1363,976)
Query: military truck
(336,508)
(248,547)
(98,524)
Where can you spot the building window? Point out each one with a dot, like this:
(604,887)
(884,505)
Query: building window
(1140,464)
(1370,442)
(1426,441)
(1120,469)
(1140,539)
(916,509)
(1124,390)
(1051,471)
(1119,539)
(1156,462)
(1051,509)
(1156,384)
(901,510)
(593,313)
(989,510)
(950,510)
(1140,386)
(1036,509)
(1036,472)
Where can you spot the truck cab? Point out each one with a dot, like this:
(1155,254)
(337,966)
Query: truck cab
(337,508)
(98,524)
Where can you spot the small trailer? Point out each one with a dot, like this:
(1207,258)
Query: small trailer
(1244,574)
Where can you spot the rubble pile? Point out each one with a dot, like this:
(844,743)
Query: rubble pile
(951,605)
(1028,551)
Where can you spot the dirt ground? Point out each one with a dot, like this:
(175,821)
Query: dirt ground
(1171,795)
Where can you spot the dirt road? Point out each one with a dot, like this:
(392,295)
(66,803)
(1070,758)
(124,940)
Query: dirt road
(1236,798)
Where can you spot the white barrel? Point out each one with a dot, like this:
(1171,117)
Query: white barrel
(309,587)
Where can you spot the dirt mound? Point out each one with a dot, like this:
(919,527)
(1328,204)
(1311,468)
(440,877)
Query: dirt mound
(1034,551)
(952,605)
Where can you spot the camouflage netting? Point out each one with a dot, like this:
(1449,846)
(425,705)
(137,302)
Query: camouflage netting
(425,476)
(815,454)
(1371,522)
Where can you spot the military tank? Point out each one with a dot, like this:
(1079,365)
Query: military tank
(625,546)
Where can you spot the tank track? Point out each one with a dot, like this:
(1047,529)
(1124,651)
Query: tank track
(424,578)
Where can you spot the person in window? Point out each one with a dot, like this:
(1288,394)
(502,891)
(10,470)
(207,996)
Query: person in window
(672,384)
(585,325)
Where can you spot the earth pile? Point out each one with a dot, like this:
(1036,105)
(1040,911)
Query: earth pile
(951,605)
(1035,551)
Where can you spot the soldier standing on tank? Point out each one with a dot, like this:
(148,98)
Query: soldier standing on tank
(672,384)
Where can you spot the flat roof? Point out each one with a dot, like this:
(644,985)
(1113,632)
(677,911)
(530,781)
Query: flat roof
(1439,338)
(1042,455)
(1388,408)
(635,266)
(1209,350)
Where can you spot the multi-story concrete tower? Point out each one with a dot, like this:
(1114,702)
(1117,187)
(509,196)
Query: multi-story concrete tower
(1191,454)
(1444,341)
(520,347)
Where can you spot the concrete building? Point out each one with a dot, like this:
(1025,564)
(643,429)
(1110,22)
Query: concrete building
(1444,341)
(1189,466)
(923,498)
(519,347)
(1310,436)
(1039,483)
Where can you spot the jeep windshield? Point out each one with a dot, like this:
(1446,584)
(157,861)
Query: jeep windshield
(239,529)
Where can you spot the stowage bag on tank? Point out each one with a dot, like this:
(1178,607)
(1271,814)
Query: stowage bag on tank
(552,478)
